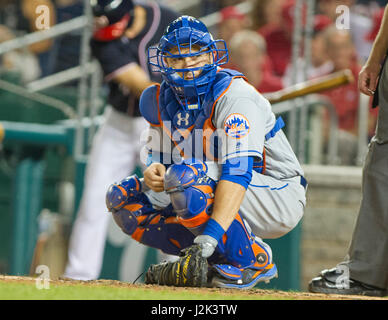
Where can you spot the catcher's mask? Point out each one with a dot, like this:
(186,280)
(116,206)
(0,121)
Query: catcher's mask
(188,37)
(116,17)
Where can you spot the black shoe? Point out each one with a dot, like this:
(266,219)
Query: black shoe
(334,281)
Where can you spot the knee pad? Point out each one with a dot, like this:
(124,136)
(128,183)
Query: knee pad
(191,192)
(134,214)
(130,215)
(126,202)
(119,193)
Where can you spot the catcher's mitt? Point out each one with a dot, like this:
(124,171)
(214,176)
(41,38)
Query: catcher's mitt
(190,270)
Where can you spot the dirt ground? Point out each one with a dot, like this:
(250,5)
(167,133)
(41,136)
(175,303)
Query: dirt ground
(226,292)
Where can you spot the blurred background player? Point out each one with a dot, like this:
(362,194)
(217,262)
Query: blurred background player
(120,40)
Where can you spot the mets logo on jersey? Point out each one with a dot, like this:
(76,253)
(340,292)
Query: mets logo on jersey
(236,126)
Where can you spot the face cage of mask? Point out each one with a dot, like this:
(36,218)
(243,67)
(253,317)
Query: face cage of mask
(189,92)
(156,57)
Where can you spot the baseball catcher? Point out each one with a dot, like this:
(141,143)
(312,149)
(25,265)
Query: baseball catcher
(221,175)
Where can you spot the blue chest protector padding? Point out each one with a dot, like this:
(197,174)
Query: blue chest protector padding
(170,109)
(148,105)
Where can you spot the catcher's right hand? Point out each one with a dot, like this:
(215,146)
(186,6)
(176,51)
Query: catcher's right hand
(190,270)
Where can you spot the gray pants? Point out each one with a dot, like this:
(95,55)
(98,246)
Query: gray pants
(367,257)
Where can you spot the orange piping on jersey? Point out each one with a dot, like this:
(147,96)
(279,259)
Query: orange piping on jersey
(208,124)
(208,130)
(254,88)
(264,163)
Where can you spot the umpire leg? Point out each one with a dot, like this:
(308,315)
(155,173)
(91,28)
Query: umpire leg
(367,257)
(365,267)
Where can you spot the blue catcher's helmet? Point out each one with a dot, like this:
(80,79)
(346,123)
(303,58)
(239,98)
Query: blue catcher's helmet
(190,36)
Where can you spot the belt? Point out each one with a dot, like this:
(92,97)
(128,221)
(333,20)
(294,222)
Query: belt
(303,182)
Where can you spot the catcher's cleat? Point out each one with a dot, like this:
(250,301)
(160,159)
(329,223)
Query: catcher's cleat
(190,270)
(227,276)
(334,281)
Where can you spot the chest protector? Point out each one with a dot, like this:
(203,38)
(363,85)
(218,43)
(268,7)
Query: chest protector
(192,132)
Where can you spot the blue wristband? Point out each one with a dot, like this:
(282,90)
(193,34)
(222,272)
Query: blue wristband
(214,229)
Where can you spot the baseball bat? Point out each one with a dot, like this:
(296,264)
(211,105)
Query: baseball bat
(316,85)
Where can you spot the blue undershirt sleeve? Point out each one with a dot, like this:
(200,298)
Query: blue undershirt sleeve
(238,170)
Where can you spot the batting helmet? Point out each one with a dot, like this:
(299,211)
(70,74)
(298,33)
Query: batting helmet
(187,34)
(119,15)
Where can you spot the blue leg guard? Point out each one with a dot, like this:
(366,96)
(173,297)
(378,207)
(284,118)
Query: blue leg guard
(249,259)
(192,196)
(134,214)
